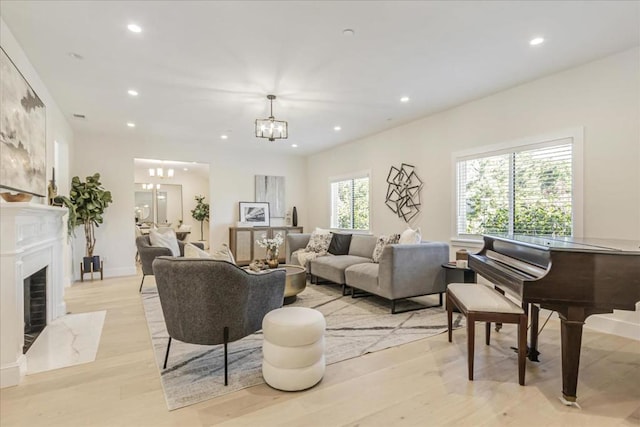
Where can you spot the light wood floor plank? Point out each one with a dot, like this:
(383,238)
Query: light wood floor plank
(420,383)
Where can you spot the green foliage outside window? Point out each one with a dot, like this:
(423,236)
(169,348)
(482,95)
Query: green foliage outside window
(541,194)
(351,204)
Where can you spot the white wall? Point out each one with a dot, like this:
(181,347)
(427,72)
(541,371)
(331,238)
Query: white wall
(602,96)
(231,181)
(58,128)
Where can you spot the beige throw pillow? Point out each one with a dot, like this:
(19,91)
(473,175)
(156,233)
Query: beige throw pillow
(223,254)
(319,242)
(192,251)
(165,238)
(410,237)
(381,243)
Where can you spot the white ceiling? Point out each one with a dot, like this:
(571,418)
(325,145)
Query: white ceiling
(205,68)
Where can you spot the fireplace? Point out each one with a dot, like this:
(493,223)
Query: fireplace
(32,249)
(35,307)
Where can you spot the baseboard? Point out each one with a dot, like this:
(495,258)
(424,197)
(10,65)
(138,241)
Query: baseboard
(612,325)
(12,373)
(607,323)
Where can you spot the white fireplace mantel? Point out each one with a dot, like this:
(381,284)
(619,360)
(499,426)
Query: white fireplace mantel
(32,237)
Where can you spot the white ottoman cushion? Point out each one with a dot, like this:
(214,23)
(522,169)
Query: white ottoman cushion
(293,326)
(293,379)
(293,357)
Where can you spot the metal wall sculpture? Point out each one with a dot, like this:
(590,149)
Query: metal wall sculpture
(403,192)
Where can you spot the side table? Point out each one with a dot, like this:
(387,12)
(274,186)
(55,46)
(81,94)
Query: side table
(458,275)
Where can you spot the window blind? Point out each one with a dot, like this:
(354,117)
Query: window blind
(524,191)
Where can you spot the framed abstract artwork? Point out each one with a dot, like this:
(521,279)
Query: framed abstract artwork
(271,189)
(255,213)
(22,133)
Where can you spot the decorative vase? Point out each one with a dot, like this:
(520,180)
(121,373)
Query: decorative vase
(295,217)
(272,257)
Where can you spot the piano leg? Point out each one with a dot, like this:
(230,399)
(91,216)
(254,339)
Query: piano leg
(571,336)
(533,353)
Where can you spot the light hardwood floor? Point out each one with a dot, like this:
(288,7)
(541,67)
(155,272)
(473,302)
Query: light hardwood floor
(421,383)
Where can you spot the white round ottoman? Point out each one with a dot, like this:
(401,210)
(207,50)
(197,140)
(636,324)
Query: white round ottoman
(293,348)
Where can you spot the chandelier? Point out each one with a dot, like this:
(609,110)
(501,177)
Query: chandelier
(271,128)
(159,172)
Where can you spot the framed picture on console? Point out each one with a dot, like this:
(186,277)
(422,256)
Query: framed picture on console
(255,213)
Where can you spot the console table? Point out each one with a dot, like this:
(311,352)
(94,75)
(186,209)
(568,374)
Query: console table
(242,242)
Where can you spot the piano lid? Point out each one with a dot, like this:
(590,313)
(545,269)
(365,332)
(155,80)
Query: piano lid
(573,244)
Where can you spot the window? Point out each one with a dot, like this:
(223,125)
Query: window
(526,189)
(350,203)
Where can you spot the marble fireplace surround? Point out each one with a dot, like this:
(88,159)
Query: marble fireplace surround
(33,237)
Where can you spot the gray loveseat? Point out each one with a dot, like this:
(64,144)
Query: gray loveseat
(404,271)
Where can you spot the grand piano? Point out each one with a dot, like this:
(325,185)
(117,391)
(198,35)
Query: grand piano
(576,277)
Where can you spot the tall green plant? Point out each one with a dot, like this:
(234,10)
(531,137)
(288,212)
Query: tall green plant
(201,213)
(87,202)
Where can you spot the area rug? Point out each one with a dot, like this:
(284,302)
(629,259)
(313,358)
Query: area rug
(354,327)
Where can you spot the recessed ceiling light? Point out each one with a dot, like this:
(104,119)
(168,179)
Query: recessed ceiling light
(294,145)
(132,92)
(348,32)
(536,41)
(131,124)
(404,99)
(337,128)
(224,137)
(134,28)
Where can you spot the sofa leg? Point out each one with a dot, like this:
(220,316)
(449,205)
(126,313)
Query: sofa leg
(141,283)
(415,308)
(166,355)
(356,293)
(345,290)
(225,333)
(440,298)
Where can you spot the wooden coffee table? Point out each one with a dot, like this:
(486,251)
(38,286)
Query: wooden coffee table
(295,283)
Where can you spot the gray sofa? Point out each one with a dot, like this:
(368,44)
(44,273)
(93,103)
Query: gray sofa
(404,271)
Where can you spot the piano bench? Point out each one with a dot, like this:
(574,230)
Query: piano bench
(480,303)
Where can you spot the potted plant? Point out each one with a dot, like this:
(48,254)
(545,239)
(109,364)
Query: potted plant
(201,213)
(87,202)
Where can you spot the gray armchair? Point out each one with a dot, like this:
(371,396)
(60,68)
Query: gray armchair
(211,302)
(148,253)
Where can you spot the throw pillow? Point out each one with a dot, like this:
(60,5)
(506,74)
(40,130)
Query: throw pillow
(165,238)
(192,251)
(410,237)
(223,254)
(340,244)
(381,243)
(318,243)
